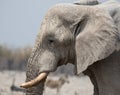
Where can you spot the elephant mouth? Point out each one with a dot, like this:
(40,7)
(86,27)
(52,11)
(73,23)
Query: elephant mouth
(35,81)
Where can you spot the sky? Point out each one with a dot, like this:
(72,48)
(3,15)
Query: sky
(20,20)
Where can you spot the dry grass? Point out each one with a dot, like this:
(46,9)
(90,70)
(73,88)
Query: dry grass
(77,85)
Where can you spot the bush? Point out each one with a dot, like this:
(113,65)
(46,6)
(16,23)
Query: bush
(14,58)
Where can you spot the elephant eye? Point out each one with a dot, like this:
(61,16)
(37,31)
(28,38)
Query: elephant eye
(50,41)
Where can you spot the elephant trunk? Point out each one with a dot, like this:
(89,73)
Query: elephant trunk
(37,70)
(35,86)
(34,81)
(36,90)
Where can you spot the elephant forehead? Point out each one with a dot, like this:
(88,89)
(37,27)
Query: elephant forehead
(50,25)
(53,26)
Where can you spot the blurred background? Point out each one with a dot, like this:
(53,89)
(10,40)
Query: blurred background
(19,23)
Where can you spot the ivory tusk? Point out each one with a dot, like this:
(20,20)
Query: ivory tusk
(34,81)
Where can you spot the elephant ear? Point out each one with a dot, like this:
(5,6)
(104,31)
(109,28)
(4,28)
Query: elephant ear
(95,40)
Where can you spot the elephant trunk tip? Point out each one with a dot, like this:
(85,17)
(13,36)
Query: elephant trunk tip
(35,81)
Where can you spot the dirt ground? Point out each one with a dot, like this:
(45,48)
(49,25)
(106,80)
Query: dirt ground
(76,85)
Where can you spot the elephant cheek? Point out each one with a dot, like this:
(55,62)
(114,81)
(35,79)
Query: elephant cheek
(48,63)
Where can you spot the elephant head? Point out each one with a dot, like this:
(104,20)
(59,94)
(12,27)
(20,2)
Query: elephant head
(69,33)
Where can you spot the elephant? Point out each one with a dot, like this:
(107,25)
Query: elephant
(87,36)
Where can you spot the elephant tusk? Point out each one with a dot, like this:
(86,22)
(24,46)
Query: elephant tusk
(35,81)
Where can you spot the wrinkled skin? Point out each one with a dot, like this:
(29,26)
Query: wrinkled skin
(106,80)
(81,35)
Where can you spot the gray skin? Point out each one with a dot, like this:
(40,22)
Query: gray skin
(85,36)
(106,80)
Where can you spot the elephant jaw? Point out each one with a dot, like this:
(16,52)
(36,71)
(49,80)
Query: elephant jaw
(35,81)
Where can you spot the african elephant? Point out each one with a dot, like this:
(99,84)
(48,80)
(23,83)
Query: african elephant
(86,36)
